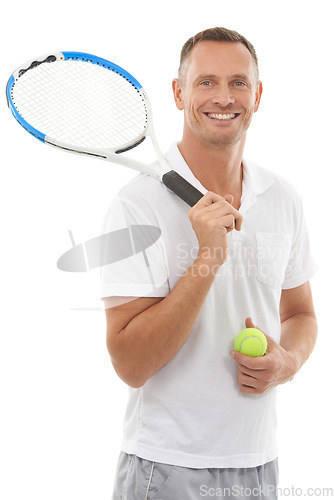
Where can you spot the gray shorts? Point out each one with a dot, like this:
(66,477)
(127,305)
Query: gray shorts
(139,479)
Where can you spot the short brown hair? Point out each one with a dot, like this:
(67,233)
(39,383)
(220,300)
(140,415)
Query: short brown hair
(218,35)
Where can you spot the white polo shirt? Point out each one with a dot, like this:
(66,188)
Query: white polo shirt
(191,412)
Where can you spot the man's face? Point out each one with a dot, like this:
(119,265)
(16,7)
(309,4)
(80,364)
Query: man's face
(219,92)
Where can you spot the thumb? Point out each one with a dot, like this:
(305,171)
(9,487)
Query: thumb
(249,323)
(229,198)
(271,342)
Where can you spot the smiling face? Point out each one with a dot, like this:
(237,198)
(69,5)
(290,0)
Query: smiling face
(219,93)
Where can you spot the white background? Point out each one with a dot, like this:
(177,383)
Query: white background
(61,403)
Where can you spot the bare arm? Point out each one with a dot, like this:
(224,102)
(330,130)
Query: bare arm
(298,323)
(157,330)
(144,335)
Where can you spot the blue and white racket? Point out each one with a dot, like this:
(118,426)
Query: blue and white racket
(84,104)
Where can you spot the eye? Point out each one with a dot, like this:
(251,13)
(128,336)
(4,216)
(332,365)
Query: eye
(240,84)
(205,83)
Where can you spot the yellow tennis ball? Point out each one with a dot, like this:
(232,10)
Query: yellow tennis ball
(251,342)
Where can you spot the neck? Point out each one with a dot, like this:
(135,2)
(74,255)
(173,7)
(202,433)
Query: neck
(217,169)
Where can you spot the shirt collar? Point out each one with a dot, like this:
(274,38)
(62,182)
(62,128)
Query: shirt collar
(256,180)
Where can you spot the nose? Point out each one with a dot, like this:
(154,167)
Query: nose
(223,96)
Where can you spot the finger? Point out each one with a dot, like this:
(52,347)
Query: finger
(238,221)
(246,381)
(208,199)
(247,390)
(257,363)
(228,222)
(223,222)
(243,372)
(257,374)
(249,323)
(229,198)
(219,206)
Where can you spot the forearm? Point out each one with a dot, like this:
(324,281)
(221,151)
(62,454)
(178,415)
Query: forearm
(298,337)
(152,339)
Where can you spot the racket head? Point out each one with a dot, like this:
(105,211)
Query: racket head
(79,102)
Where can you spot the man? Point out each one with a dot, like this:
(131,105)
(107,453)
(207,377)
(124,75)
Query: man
(201,417)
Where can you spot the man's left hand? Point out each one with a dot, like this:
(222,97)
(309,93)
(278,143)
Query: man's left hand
(259,375)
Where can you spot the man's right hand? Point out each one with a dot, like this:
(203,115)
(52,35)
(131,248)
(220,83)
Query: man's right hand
(212,218)
(145,334)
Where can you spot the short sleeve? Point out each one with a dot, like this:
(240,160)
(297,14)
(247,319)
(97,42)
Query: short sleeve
(135,261)
(301,265)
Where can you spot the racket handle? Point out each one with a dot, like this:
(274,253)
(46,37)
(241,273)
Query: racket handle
(182,188)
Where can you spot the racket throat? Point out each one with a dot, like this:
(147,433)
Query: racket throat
(123,150)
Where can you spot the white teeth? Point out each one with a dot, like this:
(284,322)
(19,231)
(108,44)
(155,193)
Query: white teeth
(221,117)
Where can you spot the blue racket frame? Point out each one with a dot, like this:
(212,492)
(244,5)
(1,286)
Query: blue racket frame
(182,188)
(79,56)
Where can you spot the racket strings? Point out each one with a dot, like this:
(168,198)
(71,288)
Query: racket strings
(81,104)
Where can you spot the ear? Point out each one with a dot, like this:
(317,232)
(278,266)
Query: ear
(178,96)
(258,94)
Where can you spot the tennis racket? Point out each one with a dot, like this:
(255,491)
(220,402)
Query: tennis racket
(84,104)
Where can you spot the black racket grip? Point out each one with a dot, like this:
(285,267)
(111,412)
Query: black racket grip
(182,188)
